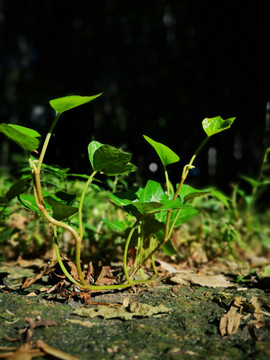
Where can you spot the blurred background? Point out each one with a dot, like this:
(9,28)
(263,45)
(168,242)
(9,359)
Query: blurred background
(163,66)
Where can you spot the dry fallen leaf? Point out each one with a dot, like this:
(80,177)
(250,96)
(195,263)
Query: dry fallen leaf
(79,322)
(258,315)
(54,352)
(23,352)
(213,281)
(135,310)
(230,322)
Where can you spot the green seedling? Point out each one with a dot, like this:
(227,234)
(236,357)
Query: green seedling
(156,212)
(103,158)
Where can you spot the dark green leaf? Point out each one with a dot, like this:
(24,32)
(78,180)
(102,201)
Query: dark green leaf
(17,189)
(70,102)
(255,183)
(27,139)
(216,124)
(109,160)
(5,235)
(64,197)
(151,226)
(60,210)
(169,249)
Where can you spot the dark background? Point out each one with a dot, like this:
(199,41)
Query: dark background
(163,66)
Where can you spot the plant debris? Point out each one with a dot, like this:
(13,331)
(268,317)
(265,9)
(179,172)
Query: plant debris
(122,312)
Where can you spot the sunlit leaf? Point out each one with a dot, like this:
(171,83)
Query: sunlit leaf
(184,215)
(29,202)
(166,155)
(187,193)
(216,124)
(70,102)
(27,139)
(218,194)
(115,225)
(152,192)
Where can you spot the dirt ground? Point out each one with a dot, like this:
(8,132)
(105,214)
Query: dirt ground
(184,322)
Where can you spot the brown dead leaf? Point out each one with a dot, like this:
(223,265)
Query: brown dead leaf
(258,315)
(85,297)
(73,270)
(105,277)
(54,352)
(23,352)
(230,322)
(135,309)
(213,281)
(30,281)
(79,322)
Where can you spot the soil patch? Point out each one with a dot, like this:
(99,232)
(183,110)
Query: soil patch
(189,330)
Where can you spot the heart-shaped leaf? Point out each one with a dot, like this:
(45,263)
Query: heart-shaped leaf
(18,188)
(151,199)
(185,214)
(187,192)
(152,192)
(60,210)
(27,139)
(216,124)
(166,155)
(70,102)
(109,160)
(29,202)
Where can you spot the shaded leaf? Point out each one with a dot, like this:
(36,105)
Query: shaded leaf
(66,103)
(60,210)
(109,160)
(255,183)
(169,249)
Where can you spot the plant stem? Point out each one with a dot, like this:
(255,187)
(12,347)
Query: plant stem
(40,202)
(46,142)
(90,179)
(126,254)
(167,181)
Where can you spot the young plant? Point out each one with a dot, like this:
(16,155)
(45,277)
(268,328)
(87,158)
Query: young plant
(158,212)
(103,158)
